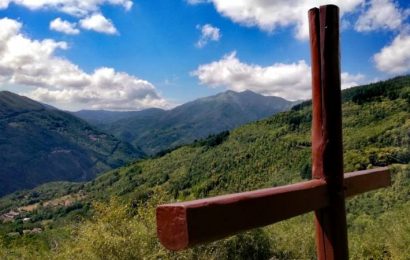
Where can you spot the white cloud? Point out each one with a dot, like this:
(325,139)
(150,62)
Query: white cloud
(395,58)
(208,33)
(4,4)
(291,81)
(97,22)
(349,80)
(105,89)
(63,26)
(270,15)
(79,8)
(34,64)
(381,14)
(89,10)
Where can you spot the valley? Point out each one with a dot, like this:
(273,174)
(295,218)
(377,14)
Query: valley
(155,130)
(113,215)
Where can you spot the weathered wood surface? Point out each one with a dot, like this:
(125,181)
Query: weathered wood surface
(184,224)
(362,181)
(327,144)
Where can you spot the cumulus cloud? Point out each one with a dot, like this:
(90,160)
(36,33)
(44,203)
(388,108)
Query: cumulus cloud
(63,26)
(34,64)
(72,7)
(4,4)
(88,10)
(291,81)
(381,14)
(270,15)
(349,80)
(105,89)
(208,33)
(395,58)
(97,22)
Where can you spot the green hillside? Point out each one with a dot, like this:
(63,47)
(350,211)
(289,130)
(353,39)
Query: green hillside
(39,144)
(154,130)
(106,117)
(113,216)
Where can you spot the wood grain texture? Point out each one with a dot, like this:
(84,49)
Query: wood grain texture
(362,181)
(327,144)
(184,224)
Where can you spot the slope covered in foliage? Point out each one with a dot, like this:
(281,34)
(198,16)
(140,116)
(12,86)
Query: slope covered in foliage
(154,130)
(106,117)
(271,152)
(39,144)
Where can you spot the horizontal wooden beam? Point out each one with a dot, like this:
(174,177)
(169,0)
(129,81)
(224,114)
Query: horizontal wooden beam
(184,224)
(362,181)
(181,225)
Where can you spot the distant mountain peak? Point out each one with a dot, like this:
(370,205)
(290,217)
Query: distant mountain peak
(233,92)
(197,119)
(247,91)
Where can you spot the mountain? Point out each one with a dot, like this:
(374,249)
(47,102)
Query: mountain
(155,130)
(39,144)
(276,150)
(270,152)
(103,117)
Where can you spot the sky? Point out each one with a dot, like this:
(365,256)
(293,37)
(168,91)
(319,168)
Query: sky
(132,55)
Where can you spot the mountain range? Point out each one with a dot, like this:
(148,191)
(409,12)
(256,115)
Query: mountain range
(117,208)
(155,130)
(39,144)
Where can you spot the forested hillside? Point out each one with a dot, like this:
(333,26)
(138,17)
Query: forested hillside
(154,129)
(113,215)
(39,144)
(106,117)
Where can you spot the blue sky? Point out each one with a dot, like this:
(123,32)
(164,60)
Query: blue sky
(130,55)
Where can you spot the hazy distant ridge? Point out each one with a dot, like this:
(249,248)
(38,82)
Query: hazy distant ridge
(154,129)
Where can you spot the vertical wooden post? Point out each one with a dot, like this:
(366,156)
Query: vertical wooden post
(327,147)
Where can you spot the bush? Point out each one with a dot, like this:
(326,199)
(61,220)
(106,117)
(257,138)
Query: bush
(118,231)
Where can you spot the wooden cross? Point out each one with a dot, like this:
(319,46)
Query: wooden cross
(184,224)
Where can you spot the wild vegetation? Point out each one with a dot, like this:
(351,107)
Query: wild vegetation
(116,220)
(39,144)
(155,130)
